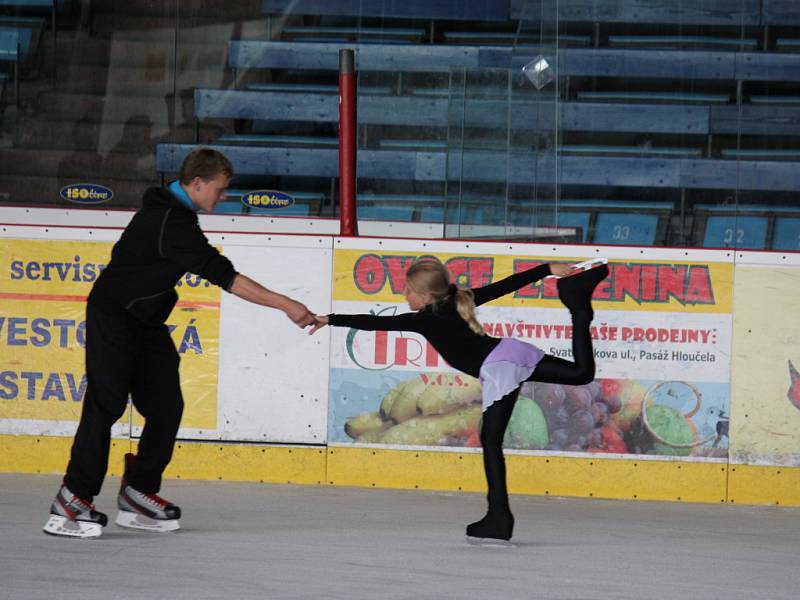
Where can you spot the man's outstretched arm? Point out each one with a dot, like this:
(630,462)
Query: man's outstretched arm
(254,292)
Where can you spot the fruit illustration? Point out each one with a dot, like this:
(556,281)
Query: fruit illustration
(363,423)
(527,428)
(431,431)
(629,394)
(431,409)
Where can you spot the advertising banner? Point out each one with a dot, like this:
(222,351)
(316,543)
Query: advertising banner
(766,367)
(661,336)
(43,290)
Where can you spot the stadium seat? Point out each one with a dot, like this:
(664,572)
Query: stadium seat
(378,212)
(622,228)
(786,234)
(736,231)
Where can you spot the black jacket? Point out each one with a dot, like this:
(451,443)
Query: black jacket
(161,243)
(443,327)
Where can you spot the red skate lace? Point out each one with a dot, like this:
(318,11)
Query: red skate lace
(156,499)
(76,502)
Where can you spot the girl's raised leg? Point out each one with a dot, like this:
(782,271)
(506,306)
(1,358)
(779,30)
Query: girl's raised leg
(576,294)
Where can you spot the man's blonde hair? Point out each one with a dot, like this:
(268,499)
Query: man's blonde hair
(206,164)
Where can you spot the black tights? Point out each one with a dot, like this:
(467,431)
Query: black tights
(552,369)
(495,418)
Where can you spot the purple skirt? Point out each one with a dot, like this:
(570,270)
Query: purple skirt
(506,368)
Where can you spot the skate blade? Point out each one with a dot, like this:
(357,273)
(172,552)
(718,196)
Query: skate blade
(132,520)
(585,266)
(61,526)
(490,542)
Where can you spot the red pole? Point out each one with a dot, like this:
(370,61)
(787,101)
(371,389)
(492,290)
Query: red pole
(347,143)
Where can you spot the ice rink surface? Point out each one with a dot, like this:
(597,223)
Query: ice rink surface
(243,541)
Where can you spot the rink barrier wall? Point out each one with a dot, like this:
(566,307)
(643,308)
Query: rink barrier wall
(445,469)
(448,471)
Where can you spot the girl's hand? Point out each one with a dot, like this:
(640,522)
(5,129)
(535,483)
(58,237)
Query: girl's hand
(561,269)
(319,322)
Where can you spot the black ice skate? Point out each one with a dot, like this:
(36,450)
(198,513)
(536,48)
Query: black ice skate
(138,510)
(71,516)
(575,291)
(494,529)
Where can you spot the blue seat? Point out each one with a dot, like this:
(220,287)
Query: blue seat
(681,41)
(377,212)
(526,115)
(762,119)
(23,11)
(230,207)
(767,66)
(24,4)
(786,234)
(787,45)
(279,140)
(486,10)
(736,231)
(491,166)
(761,154)
(678,12)
(575,219)
(482,215)
(775,99)
(780,12)
(314,88)
(508,38)
(9,45)
(572,62)
(25,39)
(625,229)
(389,34)
(432,214)
(640,64)
(9,54)
(28,6)
(410,144)
(321,56)
(294,210)
(629,150)
(674,97)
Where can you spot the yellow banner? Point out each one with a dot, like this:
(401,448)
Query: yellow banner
(43,289)
(645,285)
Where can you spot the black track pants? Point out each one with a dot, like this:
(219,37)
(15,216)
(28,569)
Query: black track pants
(124,357)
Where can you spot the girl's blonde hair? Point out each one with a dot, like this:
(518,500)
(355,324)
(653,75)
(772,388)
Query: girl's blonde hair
(432,277)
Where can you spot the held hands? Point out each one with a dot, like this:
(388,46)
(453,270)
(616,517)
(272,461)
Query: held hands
(559,270)
(321,321)
(299,314)
(562,270)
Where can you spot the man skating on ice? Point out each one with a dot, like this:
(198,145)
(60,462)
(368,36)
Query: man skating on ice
(129,350)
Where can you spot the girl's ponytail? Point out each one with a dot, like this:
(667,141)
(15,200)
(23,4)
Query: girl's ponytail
(465,305)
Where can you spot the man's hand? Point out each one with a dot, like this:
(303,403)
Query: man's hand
(299,313)
(320,322)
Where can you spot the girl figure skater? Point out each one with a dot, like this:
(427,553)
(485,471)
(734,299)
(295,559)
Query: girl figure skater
(445,315)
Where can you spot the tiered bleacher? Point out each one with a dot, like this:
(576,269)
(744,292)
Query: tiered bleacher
(669,122)
(666,112)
